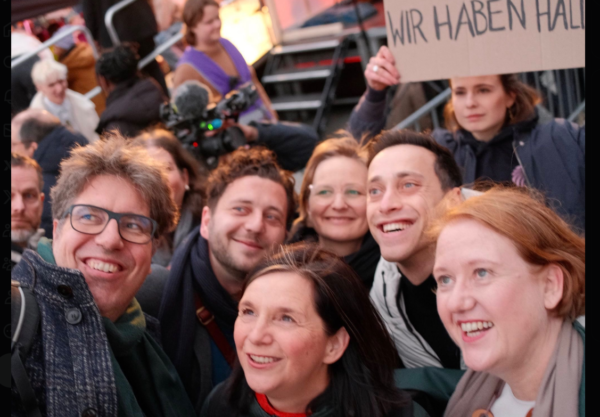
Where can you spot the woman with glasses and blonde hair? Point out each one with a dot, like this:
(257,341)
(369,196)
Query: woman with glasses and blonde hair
(333,205)
(510,285)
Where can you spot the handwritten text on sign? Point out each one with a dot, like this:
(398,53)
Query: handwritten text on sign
(434,39)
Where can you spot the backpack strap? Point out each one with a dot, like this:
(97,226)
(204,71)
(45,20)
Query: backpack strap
(207,319)
(25,321)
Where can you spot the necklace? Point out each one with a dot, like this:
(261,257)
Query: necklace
(487,413)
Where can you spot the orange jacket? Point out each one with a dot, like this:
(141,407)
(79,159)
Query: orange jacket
(81,77)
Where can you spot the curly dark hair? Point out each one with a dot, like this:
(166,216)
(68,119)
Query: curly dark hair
(245,162)
(118,64)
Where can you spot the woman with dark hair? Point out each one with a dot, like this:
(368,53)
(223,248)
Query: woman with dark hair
(511,292)
(495,132)
(216,62)
(186,181)
(333,205)
(309,342)
(132,103)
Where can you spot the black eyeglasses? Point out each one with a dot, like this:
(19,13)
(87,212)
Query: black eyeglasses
(92,220)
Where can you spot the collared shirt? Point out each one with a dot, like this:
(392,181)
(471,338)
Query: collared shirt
(62,111)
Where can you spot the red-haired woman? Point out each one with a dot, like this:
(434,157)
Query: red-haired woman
(510,284)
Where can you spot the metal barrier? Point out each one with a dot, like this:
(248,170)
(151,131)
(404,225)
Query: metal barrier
(429,107)
(577,112)
(108,18)
(562,91)
(159,49)
(55,39)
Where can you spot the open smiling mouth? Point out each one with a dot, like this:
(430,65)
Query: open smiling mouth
(475,328)
(395,227)
(102,266)
(262,360)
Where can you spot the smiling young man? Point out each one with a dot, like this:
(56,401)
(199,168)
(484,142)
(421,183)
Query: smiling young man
(409,175)
(250,203)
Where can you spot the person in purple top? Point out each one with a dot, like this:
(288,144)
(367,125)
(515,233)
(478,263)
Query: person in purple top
(215,61)
(220,67)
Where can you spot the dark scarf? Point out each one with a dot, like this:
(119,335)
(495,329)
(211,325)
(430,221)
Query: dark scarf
(492,160)
(147,383)
(191,271)
(364,261)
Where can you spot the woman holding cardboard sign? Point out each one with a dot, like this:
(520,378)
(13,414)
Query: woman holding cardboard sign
(493,129)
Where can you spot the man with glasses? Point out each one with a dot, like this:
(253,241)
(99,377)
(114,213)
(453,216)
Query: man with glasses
(95,352)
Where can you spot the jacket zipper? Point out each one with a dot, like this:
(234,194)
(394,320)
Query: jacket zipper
(519,159)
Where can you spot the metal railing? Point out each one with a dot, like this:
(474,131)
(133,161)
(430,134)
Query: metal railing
(562,91)
(430,107)
(108,20)
(160,49)
(580,109)
(55,39)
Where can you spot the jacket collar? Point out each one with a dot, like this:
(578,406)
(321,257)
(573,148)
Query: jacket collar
(506,133)
(45,278)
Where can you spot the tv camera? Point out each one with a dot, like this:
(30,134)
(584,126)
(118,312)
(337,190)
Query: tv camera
(190,116)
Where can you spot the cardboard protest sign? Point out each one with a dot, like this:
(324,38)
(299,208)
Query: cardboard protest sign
(435,39)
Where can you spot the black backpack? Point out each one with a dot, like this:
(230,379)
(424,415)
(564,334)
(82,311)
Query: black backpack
(24,324)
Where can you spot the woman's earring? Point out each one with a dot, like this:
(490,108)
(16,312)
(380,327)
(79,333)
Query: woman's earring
(187,187)
(511,115)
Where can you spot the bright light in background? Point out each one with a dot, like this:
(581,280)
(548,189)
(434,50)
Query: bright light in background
(247,26)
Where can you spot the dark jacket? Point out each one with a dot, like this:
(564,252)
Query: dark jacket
(22,88)
(132,106)
(293,143)
(169,243)
(369,116)
(50,152)
(185,340)
(133,23)
(552,155)
(364,262)
(69,364)
(217,406)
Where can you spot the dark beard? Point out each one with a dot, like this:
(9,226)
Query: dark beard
(223,257)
